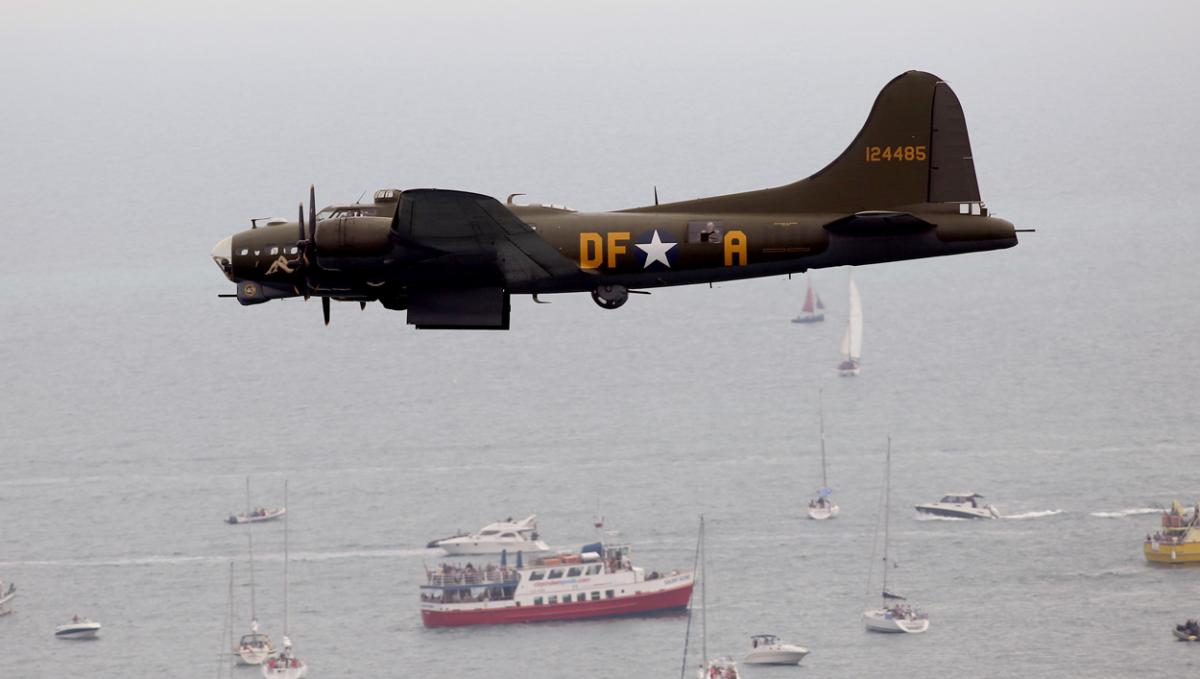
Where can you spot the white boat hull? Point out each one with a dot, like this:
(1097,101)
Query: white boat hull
(823,513)
(957,511)
(81,630)
(281,672)
(253,656)
(882,620)
(783,654)
(6,603)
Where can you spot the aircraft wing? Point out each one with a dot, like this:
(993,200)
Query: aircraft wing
(466,224)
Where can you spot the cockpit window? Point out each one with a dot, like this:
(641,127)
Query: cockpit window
(353,211)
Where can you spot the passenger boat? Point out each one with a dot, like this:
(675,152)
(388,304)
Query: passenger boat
(598,581)
(959,506)
(851,364)
(77,629)
(1178,540)
(6,597)
(494,538)
(810,312)
(766,649)
(894,614)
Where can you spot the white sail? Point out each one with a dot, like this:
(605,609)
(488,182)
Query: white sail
(852,339)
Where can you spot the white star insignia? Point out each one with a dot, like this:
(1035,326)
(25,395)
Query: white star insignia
(656,250)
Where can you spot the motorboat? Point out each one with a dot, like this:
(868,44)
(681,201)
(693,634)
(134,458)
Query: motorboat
(502,536)
(894,614)
(1188,631)
(286,665)
(896,617)
(960,506)
(723,667)
(766,649)
(6,597)
(1178,541)
(77,629)
(256,515)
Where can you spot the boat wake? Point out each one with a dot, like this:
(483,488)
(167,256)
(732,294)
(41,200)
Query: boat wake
(1136,511)
(1033,515)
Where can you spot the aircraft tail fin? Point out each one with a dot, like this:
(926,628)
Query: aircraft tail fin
(912,150)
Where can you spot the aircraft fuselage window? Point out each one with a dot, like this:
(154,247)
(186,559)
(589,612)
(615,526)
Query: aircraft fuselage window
(274,251)
(705,231)
(245,251)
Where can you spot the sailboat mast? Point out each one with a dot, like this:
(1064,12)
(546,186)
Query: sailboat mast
(250,539)
(687,636)
(887,503)
(285,558)
(703,597)
(247,497)
(821,417)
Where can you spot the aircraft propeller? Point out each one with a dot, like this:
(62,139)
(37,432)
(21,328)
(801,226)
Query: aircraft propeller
(306,242)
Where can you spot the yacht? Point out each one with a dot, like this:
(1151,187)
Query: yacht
(894,614)
(960,506)
(766,649)
(77,629)
(503,536)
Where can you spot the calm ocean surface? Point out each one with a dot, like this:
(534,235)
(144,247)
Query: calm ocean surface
(1058,378)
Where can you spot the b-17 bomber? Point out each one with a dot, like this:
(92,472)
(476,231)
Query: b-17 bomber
(905,188)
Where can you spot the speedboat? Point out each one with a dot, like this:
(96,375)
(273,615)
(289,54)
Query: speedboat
(960,506)
(6,597)
(494,538)
(765,649)
(719,668)
(77,629)
(899,617)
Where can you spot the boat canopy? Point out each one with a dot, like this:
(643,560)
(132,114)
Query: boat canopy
(824,492)
(889,595)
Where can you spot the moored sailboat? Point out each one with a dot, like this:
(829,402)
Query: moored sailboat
(254,647)
(813,310)
(822,507)
(851,363)
(286,665)
(894,614)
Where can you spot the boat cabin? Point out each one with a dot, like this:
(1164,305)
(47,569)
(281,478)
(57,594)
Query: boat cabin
(763,640)
(962,499)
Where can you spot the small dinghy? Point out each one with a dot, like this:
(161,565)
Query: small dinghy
(78,629)
(6,597)
(1188,631)
(255,514)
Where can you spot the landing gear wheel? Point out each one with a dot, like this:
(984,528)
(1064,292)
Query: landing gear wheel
(610,296)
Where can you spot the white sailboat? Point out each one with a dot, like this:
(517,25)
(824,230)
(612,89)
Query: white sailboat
(822,507)
(286,665)
(851,363)
(254,647)
(894,614)
(812,311)
(722,667)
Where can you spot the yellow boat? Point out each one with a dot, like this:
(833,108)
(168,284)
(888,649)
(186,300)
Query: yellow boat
(1178,541)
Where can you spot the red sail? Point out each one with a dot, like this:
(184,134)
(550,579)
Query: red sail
(808,301)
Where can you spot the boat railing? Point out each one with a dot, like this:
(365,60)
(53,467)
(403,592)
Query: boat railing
(451,575)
